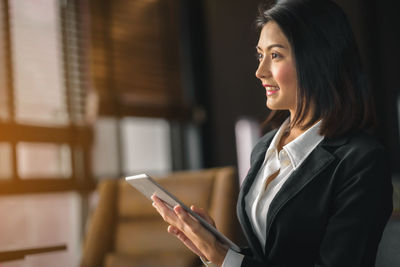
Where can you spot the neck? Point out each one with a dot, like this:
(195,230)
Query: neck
(299,128)
(289,136)
(293,132)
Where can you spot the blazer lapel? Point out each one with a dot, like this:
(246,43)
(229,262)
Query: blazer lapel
(317,161)
(257,159)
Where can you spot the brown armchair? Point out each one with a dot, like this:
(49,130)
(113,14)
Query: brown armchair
(125,229)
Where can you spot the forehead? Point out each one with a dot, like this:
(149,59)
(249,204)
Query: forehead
(271,33)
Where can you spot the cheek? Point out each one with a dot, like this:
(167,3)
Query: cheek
(286,77)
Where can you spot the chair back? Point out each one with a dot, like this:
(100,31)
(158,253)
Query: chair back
(125,230)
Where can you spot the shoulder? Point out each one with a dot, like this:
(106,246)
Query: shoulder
(358,144)
(360,157)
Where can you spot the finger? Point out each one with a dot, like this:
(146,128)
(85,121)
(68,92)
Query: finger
(182,214)
(161,204)
(158,203)
(184,239)
(189,223)
(156,199)
(203,214)
(166,213)
(193,229)
(159,210)
(195,235)
(189,244)
(173,230)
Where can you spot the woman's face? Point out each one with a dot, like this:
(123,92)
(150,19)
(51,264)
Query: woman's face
(276,69)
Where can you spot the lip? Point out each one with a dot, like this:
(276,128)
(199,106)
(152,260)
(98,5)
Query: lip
(270,89)
(270,92)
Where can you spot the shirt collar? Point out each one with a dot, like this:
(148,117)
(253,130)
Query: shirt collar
(298,149)
(303,145)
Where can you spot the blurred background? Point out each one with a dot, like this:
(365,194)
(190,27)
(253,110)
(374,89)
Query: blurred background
(99,89)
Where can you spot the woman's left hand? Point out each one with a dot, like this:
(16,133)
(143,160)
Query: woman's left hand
(191,232)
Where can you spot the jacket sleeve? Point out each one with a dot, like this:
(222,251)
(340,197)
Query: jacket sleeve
(250,261)
(360,210)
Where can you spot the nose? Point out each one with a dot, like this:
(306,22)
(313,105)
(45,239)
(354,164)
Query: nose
(263,70)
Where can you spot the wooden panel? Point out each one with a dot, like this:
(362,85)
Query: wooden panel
(27,133)
(56,184)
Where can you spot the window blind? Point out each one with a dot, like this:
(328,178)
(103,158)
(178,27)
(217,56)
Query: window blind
(44,133)
(136,58)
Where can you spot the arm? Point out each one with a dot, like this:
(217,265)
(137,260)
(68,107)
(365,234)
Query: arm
(360,210)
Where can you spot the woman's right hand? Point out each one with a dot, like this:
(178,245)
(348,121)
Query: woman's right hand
(183,238)
(189,230)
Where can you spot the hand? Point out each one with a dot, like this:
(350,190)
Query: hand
(191,232)
(175,231)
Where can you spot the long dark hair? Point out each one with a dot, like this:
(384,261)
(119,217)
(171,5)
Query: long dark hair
(329,71)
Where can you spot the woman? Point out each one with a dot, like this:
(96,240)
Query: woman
(318,192)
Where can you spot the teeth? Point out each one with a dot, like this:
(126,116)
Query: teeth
(270,88)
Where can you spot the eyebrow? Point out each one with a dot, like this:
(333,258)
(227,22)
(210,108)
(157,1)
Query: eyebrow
(271,46)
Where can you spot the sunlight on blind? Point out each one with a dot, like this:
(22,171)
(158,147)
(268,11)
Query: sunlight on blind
(37,63)
(75,37)
(43,160)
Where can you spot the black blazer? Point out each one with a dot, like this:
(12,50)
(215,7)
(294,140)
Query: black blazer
(330,212)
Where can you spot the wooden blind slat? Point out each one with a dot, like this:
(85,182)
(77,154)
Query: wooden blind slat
(135,57)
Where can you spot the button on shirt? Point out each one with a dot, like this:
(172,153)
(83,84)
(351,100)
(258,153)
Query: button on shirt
(260,196)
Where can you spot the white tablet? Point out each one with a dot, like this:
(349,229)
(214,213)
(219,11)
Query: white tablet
(147,186)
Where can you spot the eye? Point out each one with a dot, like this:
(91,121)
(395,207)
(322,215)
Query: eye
(274,55)
(259,56)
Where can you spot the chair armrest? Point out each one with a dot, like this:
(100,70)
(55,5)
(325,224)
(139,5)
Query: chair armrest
(100,236)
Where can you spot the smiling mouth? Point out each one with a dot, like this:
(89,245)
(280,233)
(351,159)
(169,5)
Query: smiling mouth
(271,89)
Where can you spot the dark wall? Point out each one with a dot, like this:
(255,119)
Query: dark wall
(379,41)
(230,89)
(386,73)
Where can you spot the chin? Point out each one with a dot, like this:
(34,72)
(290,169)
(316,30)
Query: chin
(276,106)
(271,107)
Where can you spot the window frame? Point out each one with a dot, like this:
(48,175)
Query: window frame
(77,135)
